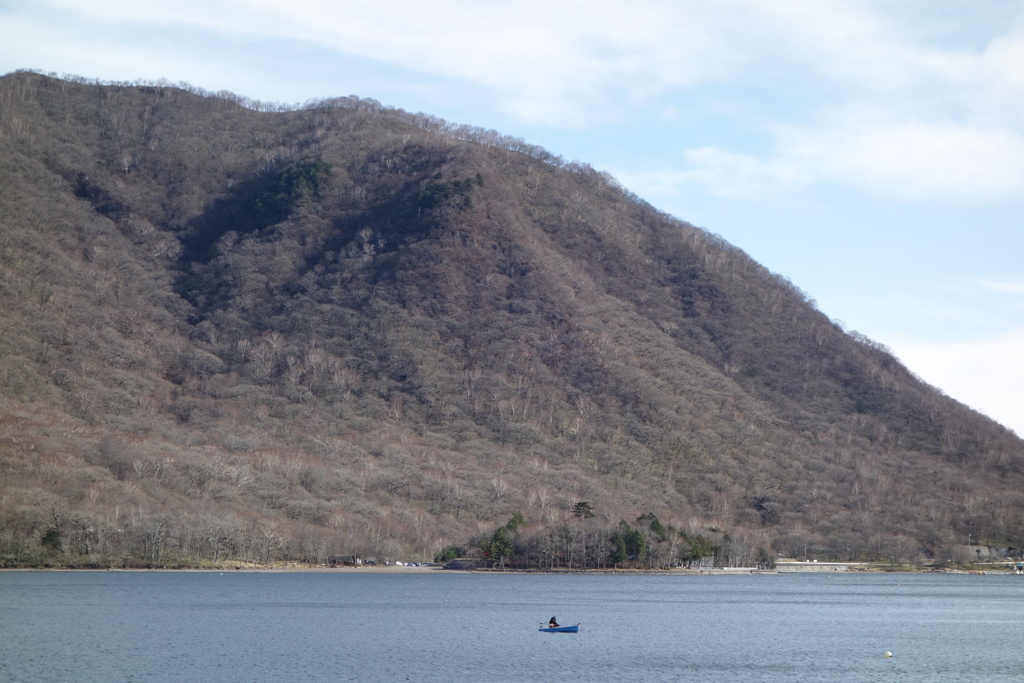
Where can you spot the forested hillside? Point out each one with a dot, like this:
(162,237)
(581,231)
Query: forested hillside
(239,332)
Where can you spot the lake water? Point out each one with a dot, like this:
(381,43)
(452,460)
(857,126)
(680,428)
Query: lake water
(256,627)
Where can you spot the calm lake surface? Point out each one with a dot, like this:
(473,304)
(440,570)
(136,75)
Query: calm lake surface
(256,627)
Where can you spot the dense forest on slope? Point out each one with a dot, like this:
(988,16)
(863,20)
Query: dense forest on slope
(232,331)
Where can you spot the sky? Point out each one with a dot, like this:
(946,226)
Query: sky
(871,151)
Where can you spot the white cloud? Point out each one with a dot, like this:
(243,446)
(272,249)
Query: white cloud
(984,373)
(540,47)
(722,173)
(914,159)
(541,57)
(1013,286)
(546,62)
(910,160)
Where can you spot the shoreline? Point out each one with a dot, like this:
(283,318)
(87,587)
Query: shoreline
(437,569)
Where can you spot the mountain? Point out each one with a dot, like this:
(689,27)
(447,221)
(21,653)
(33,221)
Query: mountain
(239,332)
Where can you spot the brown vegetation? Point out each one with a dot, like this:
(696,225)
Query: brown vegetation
(232,331)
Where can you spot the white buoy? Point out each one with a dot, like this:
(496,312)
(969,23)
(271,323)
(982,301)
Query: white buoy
(888,654)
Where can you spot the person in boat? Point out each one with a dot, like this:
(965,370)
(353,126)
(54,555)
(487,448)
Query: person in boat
(552,623)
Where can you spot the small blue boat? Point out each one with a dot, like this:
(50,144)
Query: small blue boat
(560,629)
